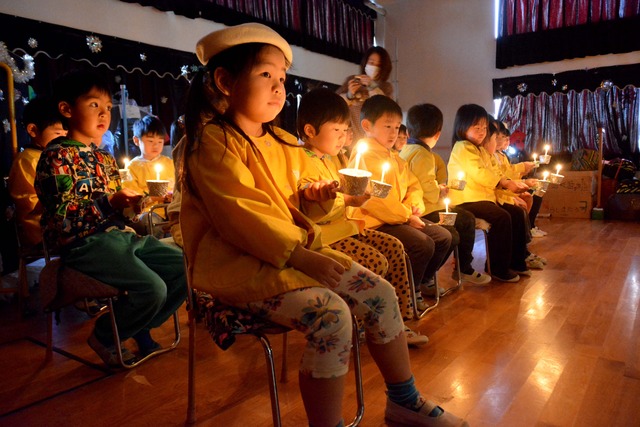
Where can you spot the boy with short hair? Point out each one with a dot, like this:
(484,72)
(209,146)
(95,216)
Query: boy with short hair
(322,124)
(149,135)
(399,214)
(79,187)
(43,123)
(424,123)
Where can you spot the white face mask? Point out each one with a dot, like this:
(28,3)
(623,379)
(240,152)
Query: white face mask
(371,71)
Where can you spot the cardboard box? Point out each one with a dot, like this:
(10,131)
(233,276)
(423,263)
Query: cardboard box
(581,181)
(568,204)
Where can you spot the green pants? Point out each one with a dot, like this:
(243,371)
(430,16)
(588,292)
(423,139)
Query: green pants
(152,273)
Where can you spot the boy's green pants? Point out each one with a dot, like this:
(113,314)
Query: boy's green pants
(151,273)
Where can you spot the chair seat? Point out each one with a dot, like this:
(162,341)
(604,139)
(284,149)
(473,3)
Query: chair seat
(224,322)
(61,286)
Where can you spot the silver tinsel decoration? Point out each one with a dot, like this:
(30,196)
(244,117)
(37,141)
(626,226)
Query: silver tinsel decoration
(1,95)
(94,43)
(164,99)
(143,57)
(522,87)
(19,76)
(6,125)
(184,70)
(554,82)
(565,87)
(33,43)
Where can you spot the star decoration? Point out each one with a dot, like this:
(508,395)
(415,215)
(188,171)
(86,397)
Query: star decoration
(6,125)
(1,95)
(522,87)
(554,82)
(565,87)
(143,57)
(164,99)
(184,70)
(33,43)
(94,43)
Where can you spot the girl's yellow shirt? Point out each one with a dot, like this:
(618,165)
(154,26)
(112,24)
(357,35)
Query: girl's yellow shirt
(242,222)
(481,174)
(423,165)
(405,192)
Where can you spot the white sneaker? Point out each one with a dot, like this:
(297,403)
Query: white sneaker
(536,232)
(534,263)
(476,278)
(421,305)
(415,338)
(429,289)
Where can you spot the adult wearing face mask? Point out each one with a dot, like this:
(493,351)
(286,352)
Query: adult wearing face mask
(375,71)
(424,125)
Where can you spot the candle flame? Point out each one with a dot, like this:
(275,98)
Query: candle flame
(158,169)
(558,167)
(446,204)
(545,175)
(460,176)
(126,162)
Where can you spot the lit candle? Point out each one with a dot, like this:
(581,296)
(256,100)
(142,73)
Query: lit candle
(158,169)
(446,205)
(545,175)
(460,176)
(546,149)
(360,149)
(126,163)
(558,169)
(534,156)
(385,168)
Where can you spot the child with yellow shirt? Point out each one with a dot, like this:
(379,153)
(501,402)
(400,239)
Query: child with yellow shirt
(43,123)
(399,214)
(323,120)
(149,134)
(424,122)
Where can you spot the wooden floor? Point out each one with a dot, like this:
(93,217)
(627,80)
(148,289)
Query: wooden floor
(559,349)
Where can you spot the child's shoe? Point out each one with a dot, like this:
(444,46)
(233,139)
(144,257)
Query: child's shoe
(109,354)
(534,263)
(146,344)
(415,338)
(476,277)
(422,417)
(509,277)
(428,289)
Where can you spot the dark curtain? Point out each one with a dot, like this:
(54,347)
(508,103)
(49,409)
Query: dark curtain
(338,28)
(533,31)
(571,121)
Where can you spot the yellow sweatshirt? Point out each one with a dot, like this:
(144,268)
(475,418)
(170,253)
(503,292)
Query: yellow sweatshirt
(422,163)
(481,175)
(396,208)
(331,217)
(242,223)
(28,209)
(142,170)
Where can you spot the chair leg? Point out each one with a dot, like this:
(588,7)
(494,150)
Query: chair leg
(417,314)
(357,370)
(49,353)
(191,386)
(459,284)
(284,375)
(273,384)
(486,248)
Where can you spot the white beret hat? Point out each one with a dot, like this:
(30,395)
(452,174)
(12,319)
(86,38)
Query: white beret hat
(217,41)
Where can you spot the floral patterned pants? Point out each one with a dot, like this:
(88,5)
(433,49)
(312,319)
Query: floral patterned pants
(324,316)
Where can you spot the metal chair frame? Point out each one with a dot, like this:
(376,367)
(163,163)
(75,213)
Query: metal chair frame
(99,290)
(261,336)
(484,226)
(417,314)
